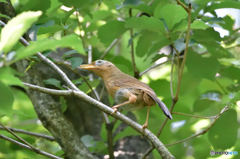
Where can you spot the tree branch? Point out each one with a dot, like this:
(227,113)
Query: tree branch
(29,133)
(204,131)
(29,148)
(136,73)
(155,141)
(21,139)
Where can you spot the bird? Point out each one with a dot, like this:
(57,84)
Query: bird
(127,91)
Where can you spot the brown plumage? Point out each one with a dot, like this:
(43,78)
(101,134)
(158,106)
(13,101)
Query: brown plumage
(127,91)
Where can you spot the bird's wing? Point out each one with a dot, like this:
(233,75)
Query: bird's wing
(131,82)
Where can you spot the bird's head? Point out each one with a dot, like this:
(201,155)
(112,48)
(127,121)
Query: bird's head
(101,67)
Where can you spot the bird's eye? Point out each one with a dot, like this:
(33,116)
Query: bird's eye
(99,62)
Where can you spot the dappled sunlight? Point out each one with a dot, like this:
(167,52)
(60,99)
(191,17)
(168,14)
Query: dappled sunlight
(203,123)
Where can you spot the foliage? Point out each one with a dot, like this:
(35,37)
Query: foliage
(210,79)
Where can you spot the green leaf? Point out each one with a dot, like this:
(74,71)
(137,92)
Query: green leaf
(230,72)
(156,46)
(5,1)
(63,104)
(226,124)
(49,44)
(131,39)
(88,141)
(15,28)
(222,4)
(206,35)
(228,23)
(181,26)
(180,45)
(68,53)
(54,82)
(7,76)
(85,88)
(131,2)
(141,7)
(202,104)
(172,14)
(6,98)
(235,98)
(5,16)
(75,61)
(202,67)
(110,31)
(157,57)
(198,24)
(145,41)
(144,22)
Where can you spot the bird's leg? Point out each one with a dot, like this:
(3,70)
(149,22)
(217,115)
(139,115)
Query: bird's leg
(146,123)
(132,99)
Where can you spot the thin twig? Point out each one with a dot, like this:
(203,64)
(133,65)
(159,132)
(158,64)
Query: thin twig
(19,138)
(171,79)
(29,148)
(109,128)
(204,131)
(136,73)
(117,39)
(73,70)
(185,7)
(223,89)
(148,134)
(195,116)
(79,26)
(198,134)
(178,59)
(185,52)
(29,133)
(110,47)
(156,65)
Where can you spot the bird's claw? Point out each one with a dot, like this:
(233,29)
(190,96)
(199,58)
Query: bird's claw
(144,126)
(114,110)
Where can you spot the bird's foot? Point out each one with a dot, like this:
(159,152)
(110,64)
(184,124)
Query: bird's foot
(144,126)
(114,110)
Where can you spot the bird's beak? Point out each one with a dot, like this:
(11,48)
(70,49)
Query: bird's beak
(88,66)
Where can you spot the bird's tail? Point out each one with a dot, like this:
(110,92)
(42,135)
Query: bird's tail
(162,106)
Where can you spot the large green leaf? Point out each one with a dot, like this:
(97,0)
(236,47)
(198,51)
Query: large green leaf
(50,44)
(141,7)
(198,24)
(222,4)
(6,98)
(15,28)
(75,61)
(206,35)
(223,134)
(145,41)
(172,14)
(8,77)
(110,31)
(54,82)
(202,67)
(156,46)
(148,23)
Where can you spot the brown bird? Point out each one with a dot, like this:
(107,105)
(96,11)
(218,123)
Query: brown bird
(128,92)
